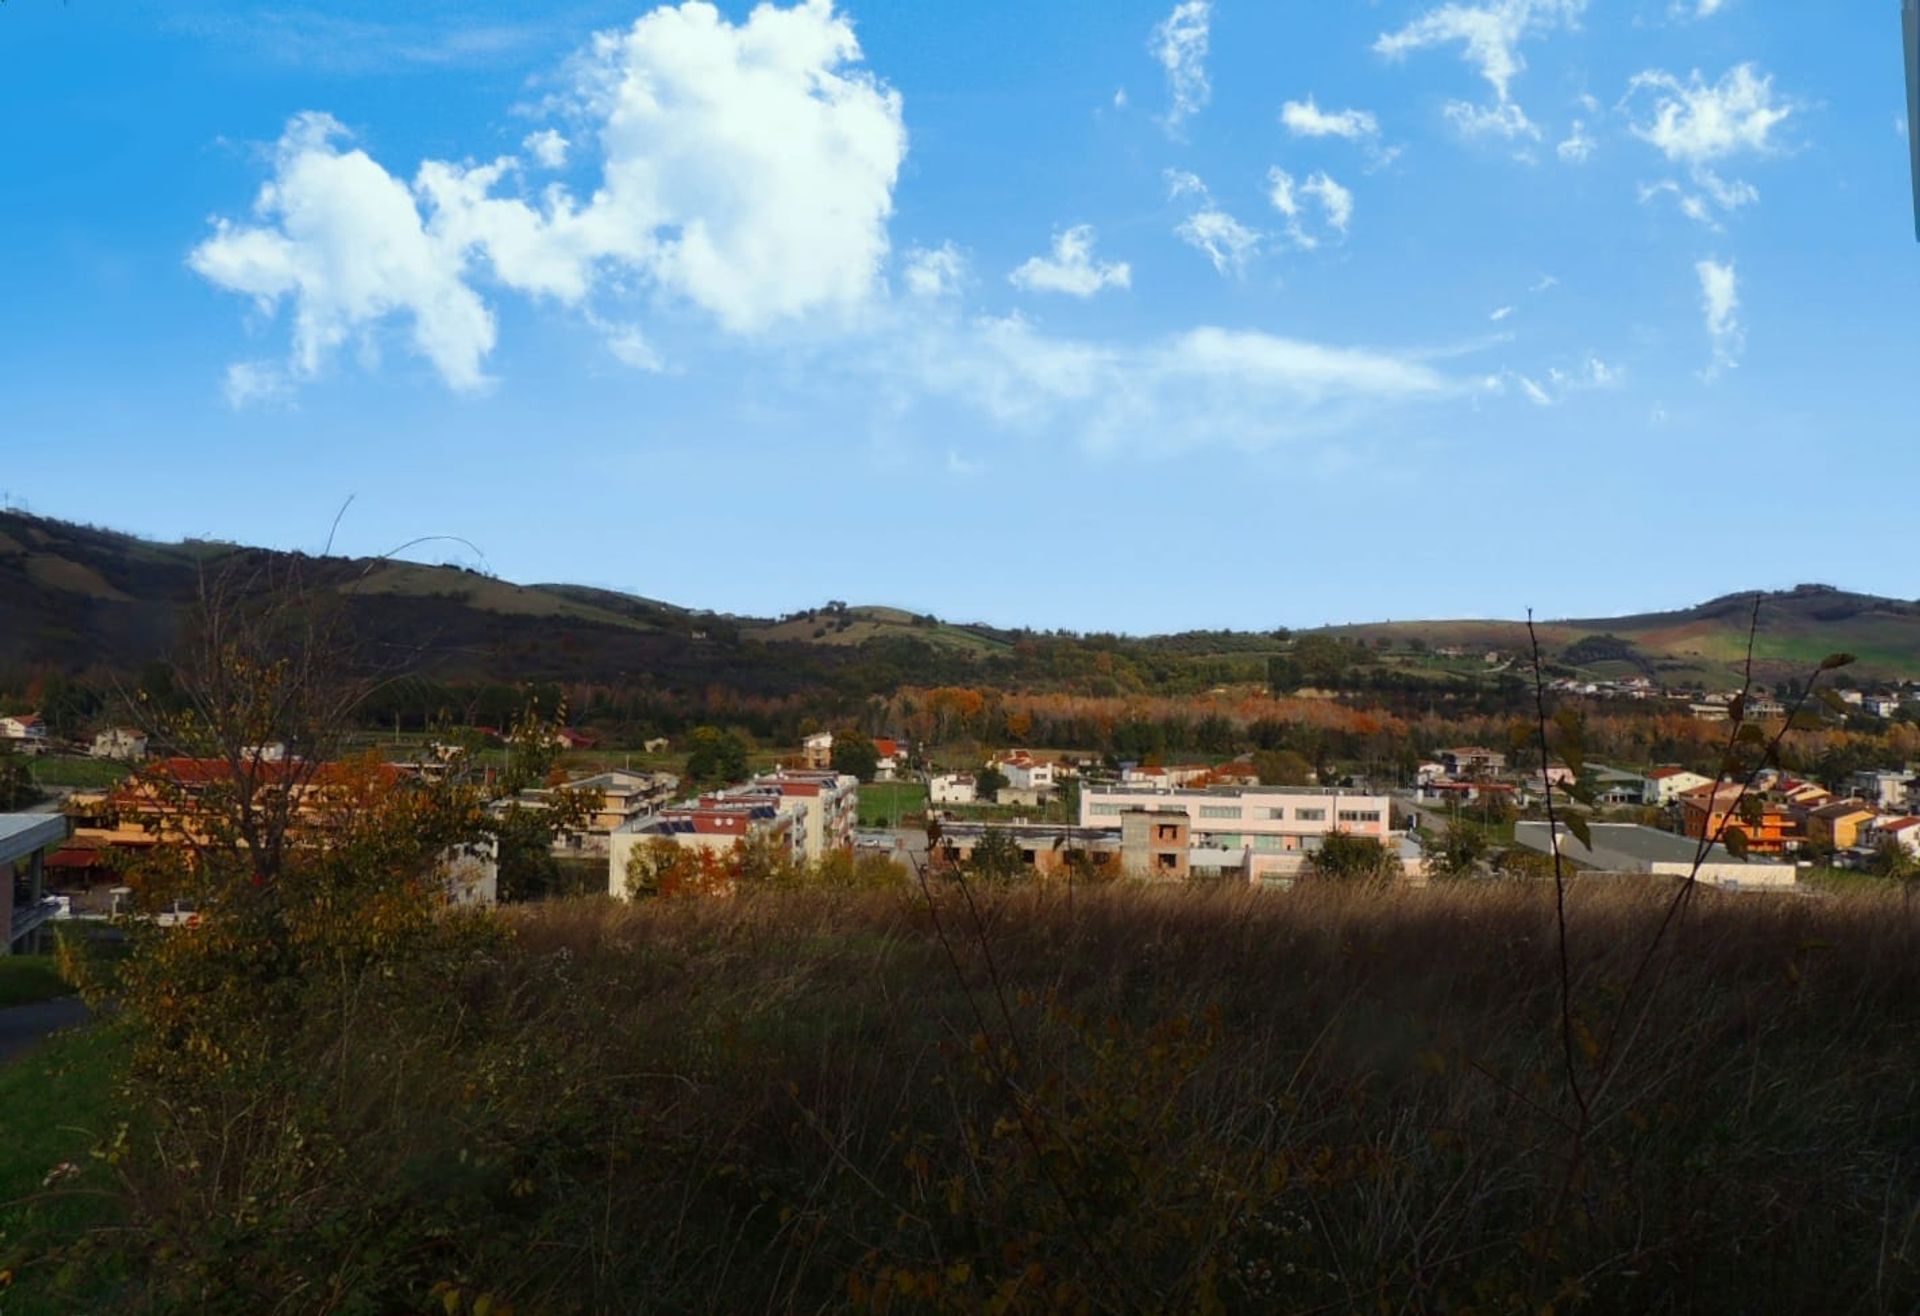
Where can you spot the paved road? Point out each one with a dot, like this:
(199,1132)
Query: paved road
(24,1026)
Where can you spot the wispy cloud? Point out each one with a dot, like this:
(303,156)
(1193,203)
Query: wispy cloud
(1180,45)
(1701,125)
(1489,35)
(328,42)
(1720,302)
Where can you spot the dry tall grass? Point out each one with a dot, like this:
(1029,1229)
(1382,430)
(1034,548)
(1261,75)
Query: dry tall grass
(1126,1099)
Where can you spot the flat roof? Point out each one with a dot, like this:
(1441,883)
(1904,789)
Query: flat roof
(23,833)
(1614,841)
(1229,792)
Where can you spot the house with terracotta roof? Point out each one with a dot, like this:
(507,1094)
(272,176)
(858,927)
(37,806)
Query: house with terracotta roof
(1025,773)
(1664,785)
(1903,831)
(26,729)
(891,758)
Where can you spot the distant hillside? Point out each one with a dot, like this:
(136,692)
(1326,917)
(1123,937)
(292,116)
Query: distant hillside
(76,598)
(1702,644)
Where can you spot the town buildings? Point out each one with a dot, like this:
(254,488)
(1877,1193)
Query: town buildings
(1717,809)
(124,744)
(1626,848)
(801,813)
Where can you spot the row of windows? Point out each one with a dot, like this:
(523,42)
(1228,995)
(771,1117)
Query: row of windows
(1113,809)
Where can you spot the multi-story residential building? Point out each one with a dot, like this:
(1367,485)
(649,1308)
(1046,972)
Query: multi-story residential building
(1263,819)
(1717,809)
(615,798)
(889,758)
(829,803)
(816,751)
(718,824)
(1471,761)
(1880,787)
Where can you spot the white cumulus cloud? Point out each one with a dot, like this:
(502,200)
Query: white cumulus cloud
(1720,302)
(1180,44)
(1071,268)
(344,241)
(747,170)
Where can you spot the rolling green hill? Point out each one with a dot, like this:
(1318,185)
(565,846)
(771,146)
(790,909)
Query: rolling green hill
(77,599)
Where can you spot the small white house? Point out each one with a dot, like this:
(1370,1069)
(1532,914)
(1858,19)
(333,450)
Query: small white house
(1026,773)
(23,727)
(122,743)
(953,788)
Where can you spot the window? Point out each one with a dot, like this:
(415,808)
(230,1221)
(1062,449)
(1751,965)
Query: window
(1106,807)
(1219,811)
(1277,815)
(1310,815)
(1359,815)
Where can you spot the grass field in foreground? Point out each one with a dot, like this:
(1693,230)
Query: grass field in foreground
(1115,1098)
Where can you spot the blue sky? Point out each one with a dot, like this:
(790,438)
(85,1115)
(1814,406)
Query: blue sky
(1124,315)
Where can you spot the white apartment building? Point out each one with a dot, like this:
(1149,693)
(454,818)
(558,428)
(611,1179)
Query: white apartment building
(1264,820)
(829,803)
(1880,787)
